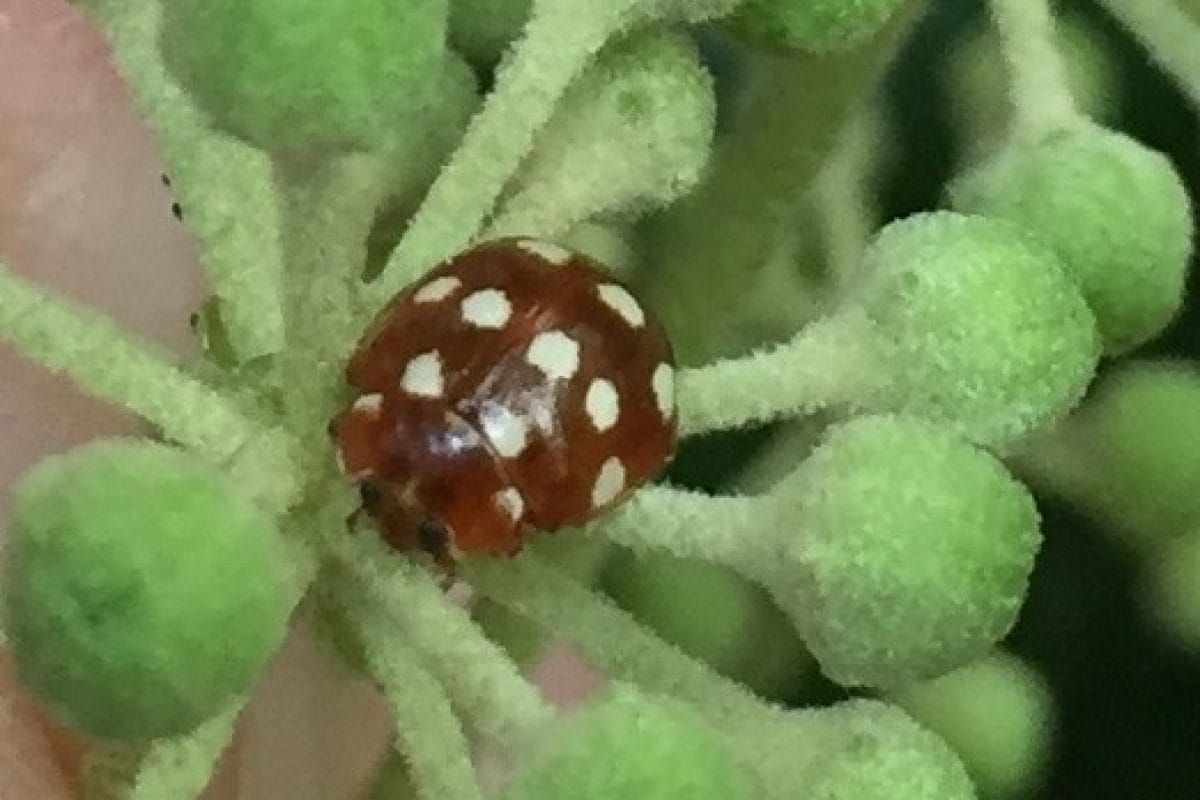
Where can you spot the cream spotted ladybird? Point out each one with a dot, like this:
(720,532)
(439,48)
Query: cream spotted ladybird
(516,387)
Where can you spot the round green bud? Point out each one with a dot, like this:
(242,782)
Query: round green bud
(292,75)
(643,116)
(997,714)
(1116,213)
(978,326)
(711,613)
(143,590)
(1172,589)
(1139,433)
(906,551)
(883,755)
(627,745)
(814,26)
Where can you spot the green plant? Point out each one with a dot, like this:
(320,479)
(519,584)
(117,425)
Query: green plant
(896,543)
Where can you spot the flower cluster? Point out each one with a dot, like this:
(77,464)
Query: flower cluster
(712,152)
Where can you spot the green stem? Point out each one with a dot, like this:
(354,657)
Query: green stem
(179,769)
(560,38)
(428,734)
(327,209)
(711,245)
(116,367)
(1041,95)
(223,185)
(690,524)
(608,636)
(483,683)
(1170,36)
(828,363)
(110,770)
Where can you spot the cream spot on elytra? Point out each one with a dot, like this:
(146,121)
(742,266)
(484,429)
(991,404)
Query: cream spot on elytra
(609,482)
(487,308)
(663,383)
(555,354)
(437,289)
(369,404)
(602,404)
(620,300)
(511,502)
(506,431)
(547,251)
(423,375)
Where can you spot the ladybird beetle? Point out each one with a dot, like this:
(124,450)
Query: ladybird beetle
(515,387)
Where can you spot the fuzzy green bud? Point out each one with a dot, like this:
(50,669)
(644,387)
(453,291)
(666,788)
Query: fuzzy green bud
(997,714)
(979,325)
(1172,589)
(886,756)
(1139,435)
(815,26)
(143,590)
(627,745)
(852,750)
(1116,213)
(632,134)
(711,613)
(906,551)
(307,74)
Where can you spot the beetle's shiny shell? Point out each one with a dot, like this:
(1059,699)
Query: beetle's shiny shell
(515,386)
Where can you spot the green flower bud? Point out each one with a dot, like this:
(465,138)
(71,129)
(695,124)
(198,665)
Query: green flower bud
(886,756)
(905,551)
(978,324)
(1116,213)
(628,745)
(1172,591)
(308,74)
(143,590)
(997,715)
(1139,435)
(642,115)
(713,614)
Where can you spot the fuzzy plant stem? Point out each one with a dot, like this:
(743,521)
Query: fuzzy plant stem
(169,769)
(428,734)
(179,769)
(327,209)
(608,636)
(1038,88)
(716,239)
(482,681)
(96,354)
(1170,36)
(827,363)
(109,771)
(792,752)
(844,196)
(560,38)
(223,185)
(690,524)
